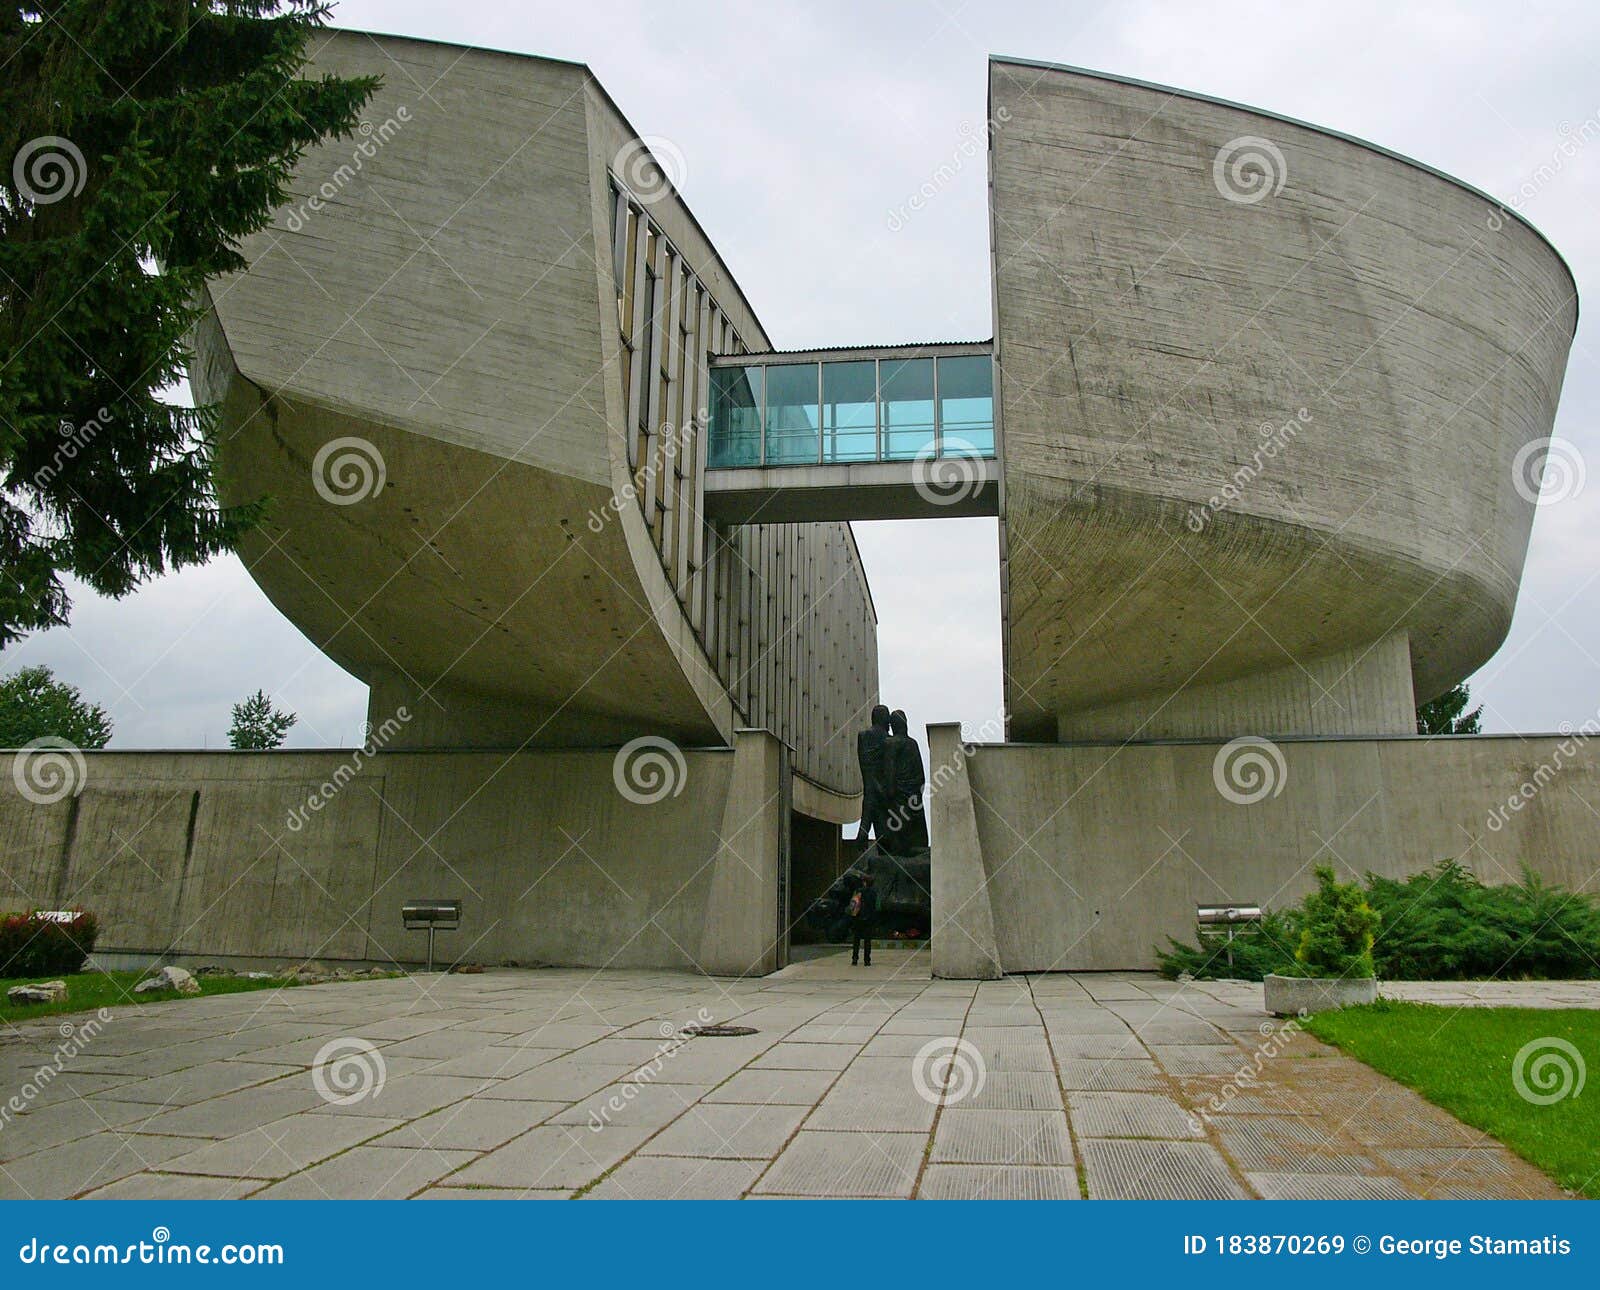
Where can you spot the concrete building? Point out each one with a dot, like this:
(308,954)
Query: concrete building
(1254,418)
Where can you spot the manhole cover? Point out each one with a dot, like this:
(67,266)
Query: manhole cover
(717,1032)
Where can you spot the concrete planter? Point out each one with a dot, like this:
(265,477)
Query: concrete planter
(1288,996)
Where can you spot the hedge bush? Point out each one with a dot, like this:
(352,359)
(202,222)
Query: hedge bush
(1442,924)
(33,946)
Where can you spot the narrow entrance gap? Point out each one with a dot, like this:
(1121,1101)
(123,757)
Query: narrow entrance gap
(936,591)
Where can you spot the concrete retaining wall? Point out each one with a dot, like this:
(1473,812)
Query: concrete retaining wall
(1086,857)
(223,854)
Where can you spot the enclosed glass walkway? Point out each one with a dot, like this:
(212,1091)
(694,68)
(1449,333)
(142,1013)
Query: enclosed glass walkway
(904,432)
(780,410)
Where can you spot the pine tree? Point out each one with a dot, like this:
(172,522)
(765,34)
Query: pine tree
(140,141)
(257,724)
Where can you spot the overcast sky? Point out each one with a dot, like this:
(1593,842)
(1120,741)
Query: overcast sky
(801,128)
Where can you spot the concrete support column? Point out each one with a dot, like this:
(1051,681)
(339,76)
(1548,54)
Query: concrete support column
(964,943)
(741,933)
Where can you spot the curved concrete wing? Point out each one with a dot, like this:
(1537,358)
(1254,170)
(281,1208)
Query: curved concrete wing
(466,366)
(1265,391)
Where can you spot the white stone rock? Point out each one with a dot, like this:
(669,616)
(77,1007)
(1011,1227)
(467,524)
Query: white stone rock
(169,978)
(39,992)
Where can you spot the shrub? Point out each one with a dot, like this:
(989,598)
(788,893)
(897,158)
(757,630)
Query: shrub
(33,946)
(1440,924)
(1336,927)
(1267,948)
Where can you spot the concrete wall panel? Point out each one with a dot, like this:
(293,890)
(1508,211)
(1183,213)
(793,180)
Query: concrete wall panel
(1093,854)
(553,863)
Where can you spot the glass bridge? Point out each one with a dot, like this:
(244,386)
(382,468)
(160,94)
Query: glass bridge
(899,405)
(905,432)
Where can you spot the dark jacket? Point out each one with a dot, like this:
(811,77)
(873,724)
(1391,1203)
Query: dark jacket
(869,907)
(876,778)
(905,765)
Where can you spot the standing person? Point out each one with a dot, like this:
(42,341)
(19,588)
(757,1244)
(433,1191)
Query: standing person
(863,919)
(876,778)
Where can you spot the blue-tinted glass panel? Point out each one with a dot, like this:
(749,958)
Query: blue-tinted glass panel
(966,406)
(907,407)
(850,411)
(735,417)
(792,415)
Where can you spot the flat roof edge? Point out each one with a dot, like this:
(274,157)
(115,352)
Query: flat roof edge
(1268,114)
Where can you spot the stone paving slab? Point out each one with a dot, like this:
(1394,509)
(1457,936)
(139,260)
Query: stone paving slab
(1303,1186)
(368,1173)
(1002,1138)
(1128,1169)
(488,1086)
(804,1088)
(1131,1115)
(278,1149)
(819,1163)
(728,1130)
(158,1186)
(998,1182)
(677,1178)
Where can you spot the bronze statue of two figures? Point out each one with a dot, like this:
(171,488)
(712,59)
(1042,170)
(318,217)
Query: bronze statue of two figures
(897,857)
(892,781)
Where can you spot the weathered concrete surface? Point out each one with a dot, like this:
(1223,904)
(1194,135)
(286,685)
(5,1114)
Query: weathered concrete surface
(519,573)
(1251,425)
(542,1084)
(965,944)
(1091,855)
(309,855)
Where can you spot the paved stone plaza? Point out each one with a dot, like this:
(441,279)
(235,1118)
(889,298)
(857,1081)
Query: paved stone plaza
(546,1084)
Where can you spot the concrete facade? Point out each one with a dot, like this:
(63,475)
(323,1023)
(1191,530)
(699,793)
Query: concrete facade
(1257,473)
(199,855)
(1089,856)
(492,304)
(1260,428)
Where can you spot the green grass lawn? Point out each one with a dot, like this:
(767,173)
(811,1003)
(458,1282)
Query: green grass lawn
(91,991)
(1462,1059)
